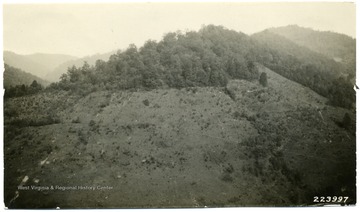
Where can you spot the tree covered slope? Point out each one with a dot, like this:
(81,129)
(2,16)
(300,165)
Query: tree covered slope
(14,76)
(211,57)
(339,47)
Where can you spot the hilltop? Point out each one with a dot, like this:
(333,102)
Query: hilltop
(211,57)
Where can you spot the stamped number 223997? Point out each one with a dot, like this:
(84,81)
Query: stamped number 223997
(329,199)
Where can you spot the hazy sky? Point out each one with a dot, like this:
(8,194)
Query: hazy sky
(86,29)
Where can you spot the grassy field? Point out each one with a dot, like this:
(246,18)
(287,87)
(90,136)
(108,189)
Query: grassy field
(243,145)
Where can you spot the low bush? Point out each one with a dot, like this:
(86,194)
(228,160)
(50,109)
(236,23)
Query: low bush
(77,120)
(146,102)
(230,93)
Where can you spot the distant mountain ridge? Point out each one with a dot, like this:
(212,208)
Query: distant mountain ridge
(55,74)
(37,64)
(309,68)
(284,47)
(50,66)
(331,44)
(339,47)
(14,76)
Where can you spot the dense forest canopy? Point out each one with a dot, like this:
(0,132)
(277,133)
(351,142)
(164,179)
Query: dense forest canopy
(210,57)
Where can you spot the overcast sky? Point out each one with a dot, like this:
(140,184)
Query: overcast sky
(86,29)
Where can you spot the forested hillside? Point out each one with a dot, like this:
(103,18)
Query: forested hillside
(14,76)
(211,57)
(19,83)
(336,46)
(309,68)
(205,58)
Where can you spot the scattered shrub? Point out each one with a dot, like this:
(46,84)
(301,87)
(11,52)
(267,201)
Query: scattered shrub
(226,177)
(77,120)
(346,121)
(230,93)
(237,115)
(263,79)
(104,104)
(146,102)
(92,123)
(229,168)
(82,137)
(93,126)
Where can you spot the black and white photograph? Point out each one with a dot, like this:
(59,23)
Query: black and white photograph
(148,104)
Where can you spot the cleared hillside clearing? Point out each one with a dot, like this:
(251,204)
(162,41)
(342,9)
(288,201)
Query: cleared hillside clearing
(195,147)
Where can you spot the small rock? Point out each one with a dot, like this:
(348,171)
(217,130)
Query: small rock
(43,162)
(26,178)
